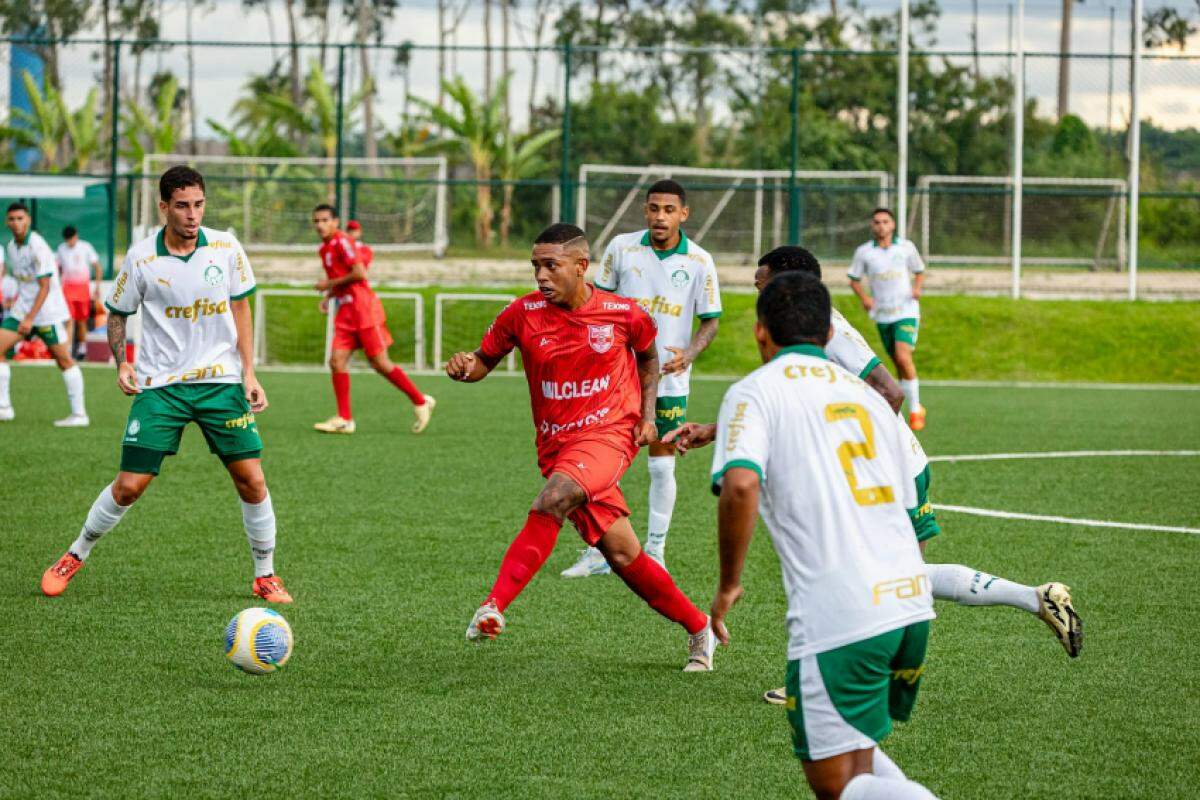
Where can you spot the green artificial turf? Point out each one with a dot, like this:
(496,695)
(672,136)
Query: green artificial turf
(119,688)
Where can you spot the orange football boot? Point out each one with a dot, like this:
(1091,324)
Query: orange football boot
(916,420)
(270,588)
(55,579)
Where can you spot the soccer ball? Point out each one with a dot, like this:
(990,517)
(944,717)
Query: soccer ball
(258,641)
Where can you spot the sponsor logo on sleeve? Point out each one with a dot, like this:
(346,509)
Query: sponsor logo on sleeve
(119,289)
(736,426)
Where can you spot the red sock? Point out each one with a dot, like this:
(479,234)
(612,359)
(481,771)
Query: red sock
(341,390)
(401,382)
(653,584)
(524,557)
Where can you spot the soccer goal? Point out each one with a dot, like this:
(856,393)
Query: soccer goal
(267,202)
(291,331)
(459,322)
(738,214)
(1065,221)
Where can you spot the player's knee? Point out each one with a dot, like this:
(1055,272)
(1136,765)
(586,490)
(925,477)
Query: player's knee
(621,557)
(559,499)
(251,488)
(380,363)
(129,486)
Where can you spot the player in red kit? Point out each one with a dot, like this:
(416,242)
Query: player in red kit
(365,253)
(592,370)
(360,323)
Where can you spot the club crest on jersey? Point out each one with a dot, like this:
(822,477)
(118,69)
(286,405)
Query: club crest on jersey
(600,337)
(213,275)
(680,278)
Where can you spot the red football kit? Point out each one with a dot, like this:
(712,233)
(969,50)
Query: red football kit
(584,389)
(365,254)
(360,321)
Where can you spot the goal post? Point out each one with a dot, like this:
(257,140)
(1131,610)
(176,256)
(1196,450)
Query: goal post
(460,320)
(738,214)
(267,201)
(967,220)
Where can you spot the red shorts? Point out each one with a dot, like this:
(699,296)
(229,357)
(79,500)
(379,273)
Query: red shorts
(596,463)
(373,339)
(79,300)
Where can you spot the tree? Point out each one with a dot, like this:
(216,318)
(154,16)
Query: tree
(53,22)
(152,130)
(369,19)
(519,159)
(1064,57)
(43,126)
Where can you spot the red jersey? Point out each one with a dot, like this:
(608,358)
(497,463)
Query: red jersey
(365,254)
(354,300)
(580,364)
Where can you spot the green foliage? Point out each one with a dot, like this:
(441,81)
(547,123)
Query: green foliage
(152,130)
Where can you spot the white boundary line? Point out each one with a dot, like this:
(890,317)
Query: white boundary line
(1091,523)
(1062,454)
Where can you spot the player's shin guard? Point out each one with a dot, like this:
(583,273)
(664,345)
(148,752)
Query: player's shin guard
(341,392)
(524,557)
(870,787)
(5,377)
(73,379)
(402,382)
(662,501)
(970,587)
(653,584)
(102,518)
(259,521)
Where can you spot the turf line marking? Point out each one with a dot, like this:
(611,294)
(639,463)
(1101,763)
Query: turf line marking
(1063,454)
(1090,523)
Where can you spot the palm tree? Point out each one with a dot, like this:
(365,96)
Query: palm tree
(83,128)
(519,161)
(41,127)
(152,130)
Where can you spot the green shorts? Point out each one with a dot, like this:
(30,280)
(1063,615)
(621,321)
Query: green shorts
(669,413)
(924,521)
(158,416)
(51,334)
(845,699)
(902,330)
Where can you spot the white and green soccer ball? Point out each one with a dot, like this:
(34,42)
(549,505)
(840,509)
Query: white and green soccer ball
(258,641)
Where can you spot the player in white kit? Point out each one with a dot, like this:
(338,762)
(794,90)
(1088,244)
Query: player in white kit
(829,459)
(39,310)
(674,280)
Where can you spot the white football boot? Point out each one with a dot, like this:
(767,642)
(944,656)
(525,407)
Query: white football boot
(6,413)
(701,647)
(776,697)
(73,421)
(424,412)
(335,424)
(591,562)
(1055,609)
(488,623)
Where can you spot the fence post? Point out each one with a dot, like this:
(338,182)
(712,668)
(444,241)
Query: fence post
(341,122)
(113,152)
(1135,145)
(902,126)
(566,195)
(1018,182)
(793,194)
(352,211)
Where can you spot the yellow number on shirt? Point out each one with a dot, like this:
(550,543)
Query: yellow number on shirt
(852,449)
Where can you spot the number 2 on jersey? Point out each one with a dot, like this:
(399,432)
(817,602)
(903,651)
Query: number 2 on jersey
(851,449)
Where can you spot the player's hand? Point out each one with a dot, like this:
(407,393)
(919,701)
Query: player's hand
(868,303)
(679,362)
(460,366)
(255,395)
(324,304)
(916,293)
(690,435)
(321,285)
(645,433)
(127,378)
(25,325)
(722,602)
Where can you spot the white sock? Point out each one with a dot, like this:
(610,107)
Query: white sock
(870,787)
(884,767)
(102,518)
(5,377)
(912,393)
(970,587)
(662,500)
(259,519)
(73,378)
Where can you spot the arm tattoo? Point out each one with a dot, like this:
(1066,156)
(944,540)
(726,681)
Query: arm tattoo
(648,369)
(116,337)
(704,335)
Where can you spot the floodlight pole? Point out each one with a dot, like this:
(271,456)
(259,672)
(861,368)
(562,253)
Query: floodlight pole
(902,125)
(341,123)
(1135,145)
(566,197)
(113,155)
(793,192)
(1018,183)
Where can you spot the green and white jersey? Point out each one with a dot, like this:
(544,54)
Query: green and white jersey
(27,263)
(836,465)
(188,333)
(672,286)
(889,271)
(848,349)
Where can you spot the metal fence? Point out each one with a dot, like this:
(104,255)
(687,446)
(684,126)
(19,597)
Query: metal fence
(776,144)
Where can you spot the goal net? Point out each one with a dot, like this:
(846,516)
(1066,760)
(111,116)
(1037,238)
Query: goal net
(738,214)
(459,322)
(267,202)
(291,331)
(967,220)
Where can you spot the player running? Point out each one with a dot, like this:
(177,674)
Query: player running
(1050,602)
(365,254)
(360,324)
(673,279)
(829,457)
(79,264)
(592,367)
(39,310)
(896,273)
(196,364)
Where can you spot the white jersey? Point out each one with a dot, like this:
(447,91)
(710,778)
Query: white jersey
(28,263)
(848,349)
(890,271)
(671,288)
(188,333)
(837,478)
(77,263)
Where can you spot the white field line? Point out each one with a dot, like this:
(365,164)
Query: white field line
(1091,523)
(1062,454)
